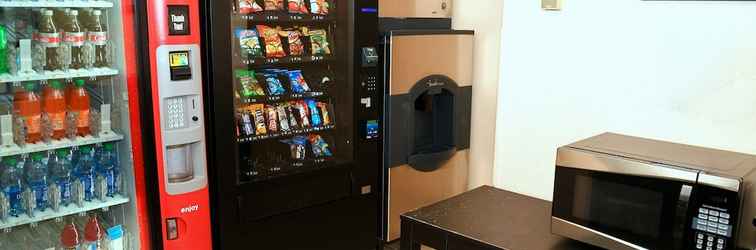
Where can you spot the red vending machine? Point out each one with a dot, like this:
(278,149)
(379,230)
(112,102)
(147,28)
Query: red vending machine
(97,126)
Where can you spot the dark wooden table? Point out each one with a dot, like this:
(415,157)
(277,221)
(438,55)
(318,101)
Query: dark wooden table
(484,218)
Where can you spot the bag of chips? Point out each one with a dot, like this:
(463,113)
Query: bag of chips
(324,113)
(259,113)
(298,83)
(249,7)
(314,114)
(274,5)
(297,7)
(273,45)
(319,7)
(319,42)
(249,42)
(248,83)
(274,85)
(319,146)
(296,46)
(282,119)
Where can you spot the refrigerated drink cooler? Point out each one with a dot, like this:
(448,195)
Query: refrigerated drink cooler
(296,105)
(70,133)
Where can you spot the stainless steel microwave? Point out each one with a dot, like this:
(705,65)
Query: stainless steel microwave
(622,192)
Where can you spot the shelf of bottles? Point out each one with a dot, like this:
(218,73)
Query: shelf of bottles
(284,83)
(60,107)
(96,229)
(55,3)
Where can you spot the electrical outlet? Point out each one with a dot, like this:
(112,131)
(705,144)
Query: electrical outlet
(551,5)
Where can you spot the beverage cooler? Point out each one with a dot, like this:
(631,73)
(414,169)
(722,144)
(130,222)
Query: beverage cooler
(72,169)
(295,108)
(78,133)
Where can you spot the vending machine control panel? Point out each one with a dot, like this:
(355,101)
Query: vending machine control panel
(183,130)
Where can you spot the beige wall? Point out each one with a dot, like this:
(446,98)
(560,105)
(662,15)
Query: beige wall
(483,16)
(678,71)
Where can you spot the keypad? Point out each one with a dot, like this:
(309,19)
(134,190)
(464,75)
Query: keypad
(707,241)
(712,227)
(176,115)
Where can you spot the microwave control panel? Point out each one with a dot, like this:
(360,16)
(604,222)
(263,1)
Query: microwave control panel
(713,228)
(714,219)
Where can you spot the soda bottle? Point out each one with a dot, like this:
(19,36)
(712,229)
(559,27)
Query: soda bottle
(54,104)
(107,170)
(69,237)
(84,171)
(74,36)
(11,184)
(26,104)
(36,179)
(48,36)
(93,234)
(98,36)
(79,102)
(60,173)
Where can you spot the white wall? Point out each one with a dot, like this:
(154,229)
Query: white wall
(484,16)
(679,71)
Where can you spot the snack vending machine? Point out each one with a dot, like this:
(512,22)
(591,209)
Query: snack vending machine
(73,170)
(295,108)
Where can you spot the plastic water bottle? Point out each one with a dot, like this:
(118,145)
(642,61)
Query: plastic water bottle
(36,179)
(84,172)
(11,184)
(60,174)
(107,171)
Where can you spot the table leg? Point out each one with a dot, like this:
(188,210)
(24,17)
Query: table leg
(407,241)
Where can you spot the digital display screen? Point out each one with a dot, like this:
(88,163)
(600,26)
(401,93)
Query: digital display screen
(179,59)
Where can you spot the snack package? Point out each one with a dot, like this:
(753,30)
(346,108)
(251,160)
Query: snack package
(319,146)
(296,46)
(319,7)
(273,45)
(292,114)
(259,113)
(274,85)
(314,114)
(270,112)
(319,42)
(249,7)
(324,113)
(282,118)
(301,113)
(274,5)
(298,83)
(297,7)
(248,83)
(249,42)
(246,123)
(298,146)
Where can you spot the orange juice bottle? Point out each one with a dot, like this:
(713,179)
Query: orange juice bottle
(54,104)
(26,105)
(79,102)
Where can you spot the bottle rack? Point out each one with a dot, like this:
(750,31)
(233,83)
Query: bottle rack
(71,209)
(8,147)
(59,74)
(56,3)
